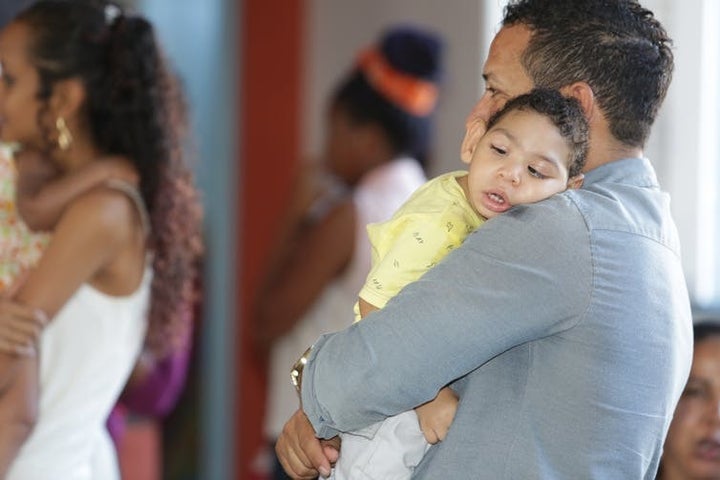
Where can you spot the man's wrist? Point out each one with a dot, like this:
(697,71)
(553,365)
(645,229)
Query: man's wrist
(296,374)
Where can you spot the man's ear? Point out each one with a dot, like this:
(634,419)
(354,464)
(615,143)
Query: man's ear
(67,98)
(583,93)
(576,182)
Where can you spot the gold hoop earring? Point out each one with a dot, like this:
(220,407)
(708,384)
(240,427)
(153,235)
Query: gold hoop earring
(64,136)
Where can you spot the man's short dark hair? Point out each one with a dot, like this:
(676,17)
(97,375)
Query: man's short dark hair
(615,46)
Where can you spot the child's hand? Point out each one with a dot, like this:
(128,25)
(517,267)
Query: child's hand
(116,168)
(20,328)
(436,416)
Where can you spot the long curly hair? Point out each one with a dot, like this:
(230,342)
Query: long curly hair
(135,108)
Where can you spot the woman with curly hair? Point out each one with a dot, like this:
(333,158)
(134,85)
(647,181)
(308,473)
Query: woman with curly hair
(83,83)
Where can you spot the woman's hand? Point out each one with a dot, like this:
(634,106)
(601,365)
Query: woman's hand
(437,415)
(20,328)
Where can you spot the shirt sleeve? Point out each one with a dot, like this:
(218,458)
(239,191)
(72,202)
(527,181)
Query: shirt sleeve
(416,245)
(523,276)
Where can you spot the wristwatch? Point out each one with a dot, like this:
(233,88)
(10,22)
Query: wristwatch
(297,371)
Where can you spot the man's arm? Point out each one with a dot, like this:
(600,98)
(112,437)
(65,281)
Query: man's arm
(523,276)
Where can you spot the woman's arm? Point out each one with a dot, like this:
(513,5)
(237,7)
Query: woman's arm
(306,260)
(90,233)
(18,410)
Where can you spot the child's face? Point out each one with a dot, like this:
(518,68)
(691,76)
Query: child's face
(19,83)
(521,159)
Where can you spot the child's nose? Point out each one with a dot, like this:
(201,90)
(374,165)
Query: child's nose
(511,173)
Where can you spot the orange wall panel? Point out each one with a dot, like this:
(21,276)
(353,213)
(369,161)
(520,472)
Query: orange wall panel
(272,42)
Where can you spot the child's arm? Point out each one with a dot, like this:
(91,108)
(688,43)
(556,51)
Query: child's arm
(435,416)
(33,171)
(41,198)
(366,307)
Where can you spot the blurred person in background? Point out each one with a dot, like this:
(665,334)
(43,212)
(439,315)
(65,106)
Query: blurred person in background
(378,142)
(692,446)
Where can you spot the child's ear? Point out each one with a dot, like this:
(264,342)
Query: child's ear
(576,181)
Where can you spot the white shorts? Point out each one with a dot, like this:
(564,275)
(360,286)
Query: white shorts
(391,454)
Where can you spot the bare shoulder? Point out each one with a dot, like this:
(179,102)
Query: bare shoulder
(102,211)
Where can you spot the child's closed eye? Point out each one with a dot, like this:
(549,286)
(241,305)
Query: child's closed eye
(498,150)
(536,173)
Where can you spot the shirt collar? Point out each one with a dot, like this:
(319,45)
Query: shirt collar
(636,171)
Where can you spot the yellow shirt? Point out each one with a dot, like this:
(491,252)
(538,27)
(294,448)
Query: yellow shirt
(20,248)
(436,219)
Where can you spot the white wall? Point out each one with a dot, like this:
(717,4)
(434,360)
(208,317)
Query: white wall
(681,146)
(337,29)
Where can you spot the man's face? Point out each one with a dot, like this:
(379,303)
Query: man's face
(505,78)
(503,73)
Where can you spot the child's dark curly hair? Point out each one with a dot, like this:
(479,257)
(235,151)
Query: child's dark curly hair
(564,112)
(135,109)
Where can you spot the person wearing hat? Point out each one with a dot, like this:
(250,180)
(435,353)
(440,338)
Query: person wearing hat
(379,138)
(692,445)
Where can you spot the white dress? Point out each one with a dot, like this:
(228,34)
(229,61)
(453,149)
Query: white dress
(87,353)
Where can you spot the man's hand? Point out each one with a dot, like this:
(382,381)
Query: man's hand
(475,128)
(437,415)
(303,455)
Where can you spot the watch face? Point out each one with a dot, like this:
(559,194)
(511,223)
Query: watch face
(295,378)
(297,371)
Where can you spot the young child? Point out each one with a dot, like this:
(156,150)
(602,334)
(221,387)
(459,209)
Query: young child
(533,148)
(19,248)
(31,202)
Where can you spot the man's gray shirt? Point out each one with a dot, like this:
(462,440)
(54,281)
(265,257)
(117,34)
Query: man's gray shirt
(567,323)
